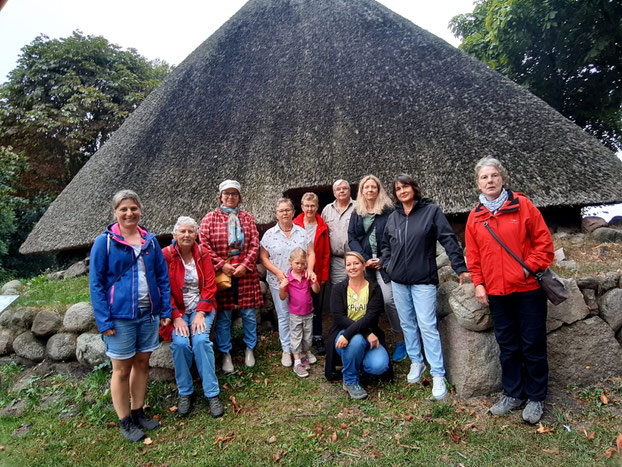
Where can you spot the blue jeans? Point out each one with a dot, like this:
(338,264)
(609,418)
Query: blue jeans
(416,307)
(223,329)
(282,315)
(199,346)
(358,357)
(132,336)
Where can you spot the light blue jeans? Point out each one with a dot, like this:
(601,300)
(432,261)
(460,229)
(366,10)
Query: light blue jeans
(416,307)
(282,314)
(199,346)
(223,329)
(358,357)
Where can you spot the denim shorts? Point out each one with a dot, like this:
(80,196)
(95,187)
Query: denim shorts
(133,336)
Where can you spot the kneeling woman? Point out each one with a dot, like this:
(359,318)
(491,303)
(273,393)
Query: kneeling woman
(192,291)
(355,337)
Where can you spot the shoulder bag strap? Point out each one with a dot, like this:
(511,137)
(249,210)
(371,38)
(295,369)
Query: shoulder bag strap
(508,250)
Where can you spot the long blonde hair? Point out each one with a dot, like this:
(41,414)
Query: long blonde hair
(383,200)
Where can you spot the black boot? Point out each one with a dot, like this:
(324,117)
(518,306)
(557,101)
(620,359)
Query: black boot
(139,417)
(129,430)
(318,346)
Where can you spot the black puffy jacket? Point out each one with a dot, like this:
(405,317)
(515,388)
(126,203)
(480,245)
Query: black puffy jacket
(409,244)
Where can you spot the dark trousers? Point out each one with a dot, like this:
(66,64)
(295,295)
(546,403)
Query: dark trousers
(520,329)
(317,312)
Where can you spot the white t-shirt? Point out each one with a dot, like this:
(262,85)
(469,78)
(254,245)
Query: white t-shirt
(143,288)
(191,287)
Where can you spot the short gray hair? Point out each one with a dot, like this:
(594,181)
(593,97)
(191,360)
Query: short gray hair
(486,161)
(122,195)
(185,220)
(284,200)
(339,182)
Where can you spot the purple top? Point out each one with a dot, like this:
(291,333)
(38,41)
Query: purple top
(300,301)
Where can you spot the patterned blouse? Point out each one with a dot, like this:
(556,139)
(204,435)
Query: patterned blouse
(279,247)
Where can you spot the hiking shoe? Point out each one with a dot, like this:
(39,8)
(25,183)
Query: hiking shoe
(215,407)
(249,358)
(227,363)
(400,352)
(130,431)
(533,411)
(286,359)
(439,388)
(300,370)
(416,370)
(140,419)
(505,404)
(318,345)
(356,391)
(312,358)
(184,406)
(304,361)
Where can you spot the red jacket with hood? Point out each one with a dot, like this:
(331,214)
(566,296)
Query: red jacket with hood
(520,225)
(321,246)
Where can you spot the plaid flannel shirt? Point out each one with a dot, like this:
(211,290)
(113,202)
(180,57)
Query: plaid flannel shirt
(214,236)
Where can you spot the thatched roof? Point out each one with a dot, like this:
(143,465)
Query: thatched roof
(293,93)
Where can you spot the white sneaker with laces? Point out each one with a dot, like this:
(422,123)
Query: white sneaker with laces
(286,359)
(416,370)
(439,388)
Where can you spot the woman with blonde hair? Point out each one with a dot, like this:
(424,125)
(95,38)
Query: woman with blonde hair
(372,209)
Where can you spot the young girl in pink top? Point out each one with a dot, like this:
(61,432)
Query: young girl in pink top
(298,288)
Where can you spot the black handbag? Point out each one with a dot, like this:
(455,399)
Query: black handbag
(550,282)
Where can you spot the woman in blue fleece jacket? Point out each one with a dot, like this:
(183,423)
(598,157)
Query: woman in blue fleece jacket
(131,297)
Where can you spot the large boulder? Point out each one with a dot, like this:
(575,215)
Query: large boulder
(607,234)
(6,318)
(610,305)
(442,260)
(568,311)
(77,269)
(7,336)
(583,353)
(11,288)
(590,300)
(90,349)
(587,283)
(446,273)
(162,357)
(471,359)
(591,223)
(469,313)
(46,323)
(616,221)
(27,346)
(607,281)
(79,318)
(442,299)
(61,347)
(22,318)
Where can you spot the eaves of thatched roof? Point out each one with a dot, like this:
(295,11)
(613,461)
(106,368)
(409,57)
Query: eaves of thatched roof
(297,93)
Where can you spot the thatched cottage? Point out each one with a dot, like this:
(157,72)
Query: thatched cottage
(292,94)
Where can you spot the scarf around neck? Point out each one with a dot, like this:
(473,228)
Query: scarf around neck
(494,205)
(234,229)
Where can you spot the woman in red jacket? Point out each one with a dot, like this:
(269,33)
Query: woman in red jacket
(517,304)
(192,294)
(317,232)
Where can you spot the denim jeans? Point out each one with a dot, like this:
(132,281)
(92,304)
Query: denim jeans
(389,305)
(223,329)
(132,336)
(282,314)
(520,329)
(357,357)
(199,346)
(416,307)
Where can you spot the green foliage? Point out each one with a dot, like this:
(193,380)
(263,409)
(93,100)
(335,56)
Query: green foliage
(54,295)
(566,52)
(64,99)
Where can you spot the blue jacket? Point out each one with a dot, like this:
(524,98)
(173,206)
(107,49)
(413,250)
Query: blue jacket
(110,256)
(358,240)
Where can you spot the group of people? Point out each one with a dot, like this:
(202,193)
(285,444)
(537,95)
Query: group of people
(366,256)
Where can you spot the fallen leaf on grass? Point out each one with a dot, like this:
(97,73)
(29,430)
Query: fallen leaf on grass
(471,426)
(589,435)
(173,409)
(604,398)
(455,437)
(156,417)
(148,442)
(272,440)
(344,426)
(551,451)
(236,408)
(408,417)
(375,454)
(619,441)
(334,436)
(365,434)
(222,439)
(542,429)
(277,457)
(609,452)
(195,453)
(112,424)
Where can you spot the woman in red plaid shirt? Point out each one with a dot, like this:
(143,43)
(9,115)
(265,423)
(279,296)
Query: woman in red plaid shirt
(230,235)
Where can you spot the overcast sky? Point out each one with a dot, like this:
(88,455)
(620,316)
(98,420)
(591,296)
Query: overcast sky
(164,29)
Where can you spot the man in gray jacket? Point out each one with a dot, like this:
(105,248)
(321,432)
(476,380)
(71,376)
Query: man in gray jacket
(337,218)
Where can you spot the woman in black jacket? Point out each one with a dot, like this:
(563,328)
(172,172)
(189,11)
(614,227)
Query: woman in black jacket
(372,209)
(355,337)
(409,257)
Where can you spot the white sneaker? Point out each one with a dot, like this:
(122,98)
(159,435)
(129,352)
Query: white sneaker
(416,370)
(312,358)
(227,363)
(439,388)
(286,359)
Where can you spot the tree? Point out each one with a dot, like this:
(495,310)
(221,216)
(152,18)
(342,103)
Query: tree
(64,99)
(567,52)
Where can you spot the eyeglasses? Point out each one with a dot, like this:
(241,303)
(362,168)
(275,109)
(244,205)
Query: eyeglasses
(230,194)
(309,206)
(284,211)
